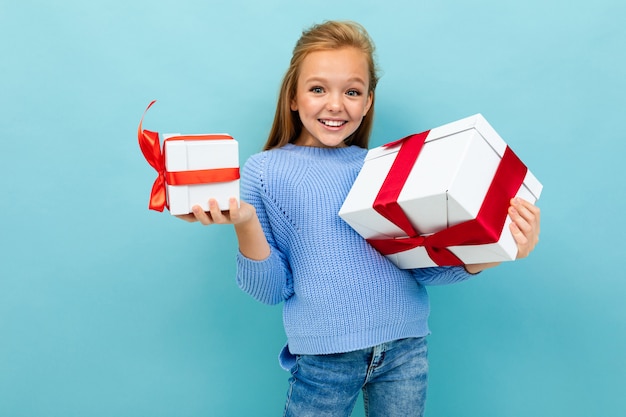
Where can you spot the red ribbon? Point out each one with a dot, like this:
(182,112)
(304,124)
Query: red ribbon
(484,229)
(151,149)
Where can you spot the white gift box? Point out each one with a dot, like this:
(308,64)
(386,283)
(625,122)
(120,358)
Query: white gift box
(445,186)
(213,158)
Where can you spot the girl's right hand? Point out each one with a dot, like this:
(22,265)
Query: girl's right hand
(236,214)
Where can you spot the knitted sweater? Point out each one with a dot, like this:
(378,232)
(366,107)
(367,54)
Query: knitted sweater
(339,293)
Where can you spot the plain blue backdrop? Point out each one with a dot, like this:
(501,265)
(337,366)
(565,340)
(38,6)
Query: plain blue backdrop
(108,309)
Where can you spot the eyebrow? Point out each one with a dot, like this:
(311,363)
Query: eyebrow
(348,81)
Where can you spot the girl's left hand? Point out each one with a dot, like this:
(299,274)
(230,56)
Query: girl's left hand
(525,226)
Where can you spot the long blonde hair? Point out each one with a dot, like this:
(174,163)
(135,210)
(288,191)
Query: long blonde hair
(324,36)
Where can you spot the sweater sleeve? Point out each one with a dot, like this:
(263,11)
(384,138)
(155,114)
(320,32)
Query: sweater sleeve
(270,280)
(267,281)
(441,275)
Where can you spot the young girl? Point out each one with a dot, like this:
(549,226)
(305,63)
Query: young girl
(354,321)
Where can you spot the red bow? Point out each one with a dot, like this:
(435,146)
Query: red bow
(151,149)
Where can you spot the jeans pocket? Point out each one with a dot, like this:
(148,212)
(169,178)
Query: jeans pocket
(286,359)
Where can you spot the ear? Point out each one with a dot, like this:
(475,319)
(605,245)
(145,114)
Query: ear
(293,105)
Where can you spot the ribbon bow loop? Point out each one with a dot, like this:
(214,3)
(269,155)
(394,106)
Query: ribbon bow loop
(151,149)
(435,250)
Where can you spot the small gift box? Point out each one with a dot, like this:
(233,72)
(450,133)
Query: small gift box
(440,197)
(191,169)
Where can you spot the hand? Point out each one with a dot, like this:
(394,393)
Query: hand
(234,215)
(525,226)
(525,230)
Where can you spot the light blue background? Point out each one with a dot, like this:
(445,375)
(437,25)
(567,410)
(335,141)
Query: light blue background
(108,309)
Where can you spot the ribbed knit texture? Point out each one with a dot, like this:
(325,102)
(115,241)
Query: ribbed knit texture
(339,293)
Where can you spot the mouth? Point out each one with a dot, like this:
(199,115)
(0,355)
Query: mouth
(332,123)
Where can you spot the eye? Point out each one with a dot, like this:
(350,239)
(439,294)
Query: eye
(317,90)
(353,93)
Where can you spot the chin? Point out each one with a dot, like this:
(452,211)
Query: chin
(333,144)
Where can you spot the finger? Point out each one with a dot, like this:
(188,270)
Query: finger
(524,226)
(525,214)
(519,220)
(523,244)
(216,214)
(529,229)
(201,215)
(233,208)
(529,211)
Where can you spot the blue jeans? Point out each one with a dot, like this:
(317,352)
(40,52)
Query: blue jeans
(393,378)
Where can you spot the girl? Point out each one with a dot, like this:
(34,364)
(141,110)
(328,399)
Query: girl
(354,321)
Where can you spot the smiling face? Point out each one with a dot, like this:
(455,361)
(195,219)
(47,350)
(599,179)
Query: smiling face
(332,96)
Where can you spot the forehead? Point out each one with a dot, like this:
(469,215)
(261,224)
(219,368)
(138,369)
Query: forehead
(347,62)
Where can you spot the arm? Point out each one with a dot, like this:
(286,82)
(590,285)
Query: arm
(263,270)
(525,228)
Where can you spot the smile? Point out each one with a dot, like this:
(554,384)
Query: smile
(333,123)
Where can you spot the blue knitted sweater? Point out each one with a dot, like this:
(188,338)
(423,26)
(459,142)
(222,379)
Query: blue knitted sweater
(339,293)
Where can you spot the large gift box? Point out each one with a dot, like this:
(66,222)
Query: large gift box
(191,169)
(440,197)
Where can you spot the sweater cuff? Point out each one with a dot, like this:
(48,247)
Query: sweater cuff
(260,278)
(254,265)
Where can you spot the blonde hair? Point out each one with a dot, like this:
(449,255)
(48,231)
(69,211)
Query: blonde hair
(324,36)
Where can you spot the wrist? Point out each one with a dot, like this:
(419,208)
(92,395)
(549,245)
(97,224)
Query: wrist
(470,270)
(252,241)
(477,268)
(248,220)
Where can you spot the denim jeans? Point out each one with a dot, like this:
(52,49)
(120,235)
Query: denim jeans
(392,376)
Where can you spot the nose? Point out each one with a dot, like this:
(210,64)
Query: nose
(334,102)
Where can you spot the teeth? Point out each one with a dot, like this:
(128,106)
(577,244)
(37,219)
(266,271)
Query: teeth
(332,123)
